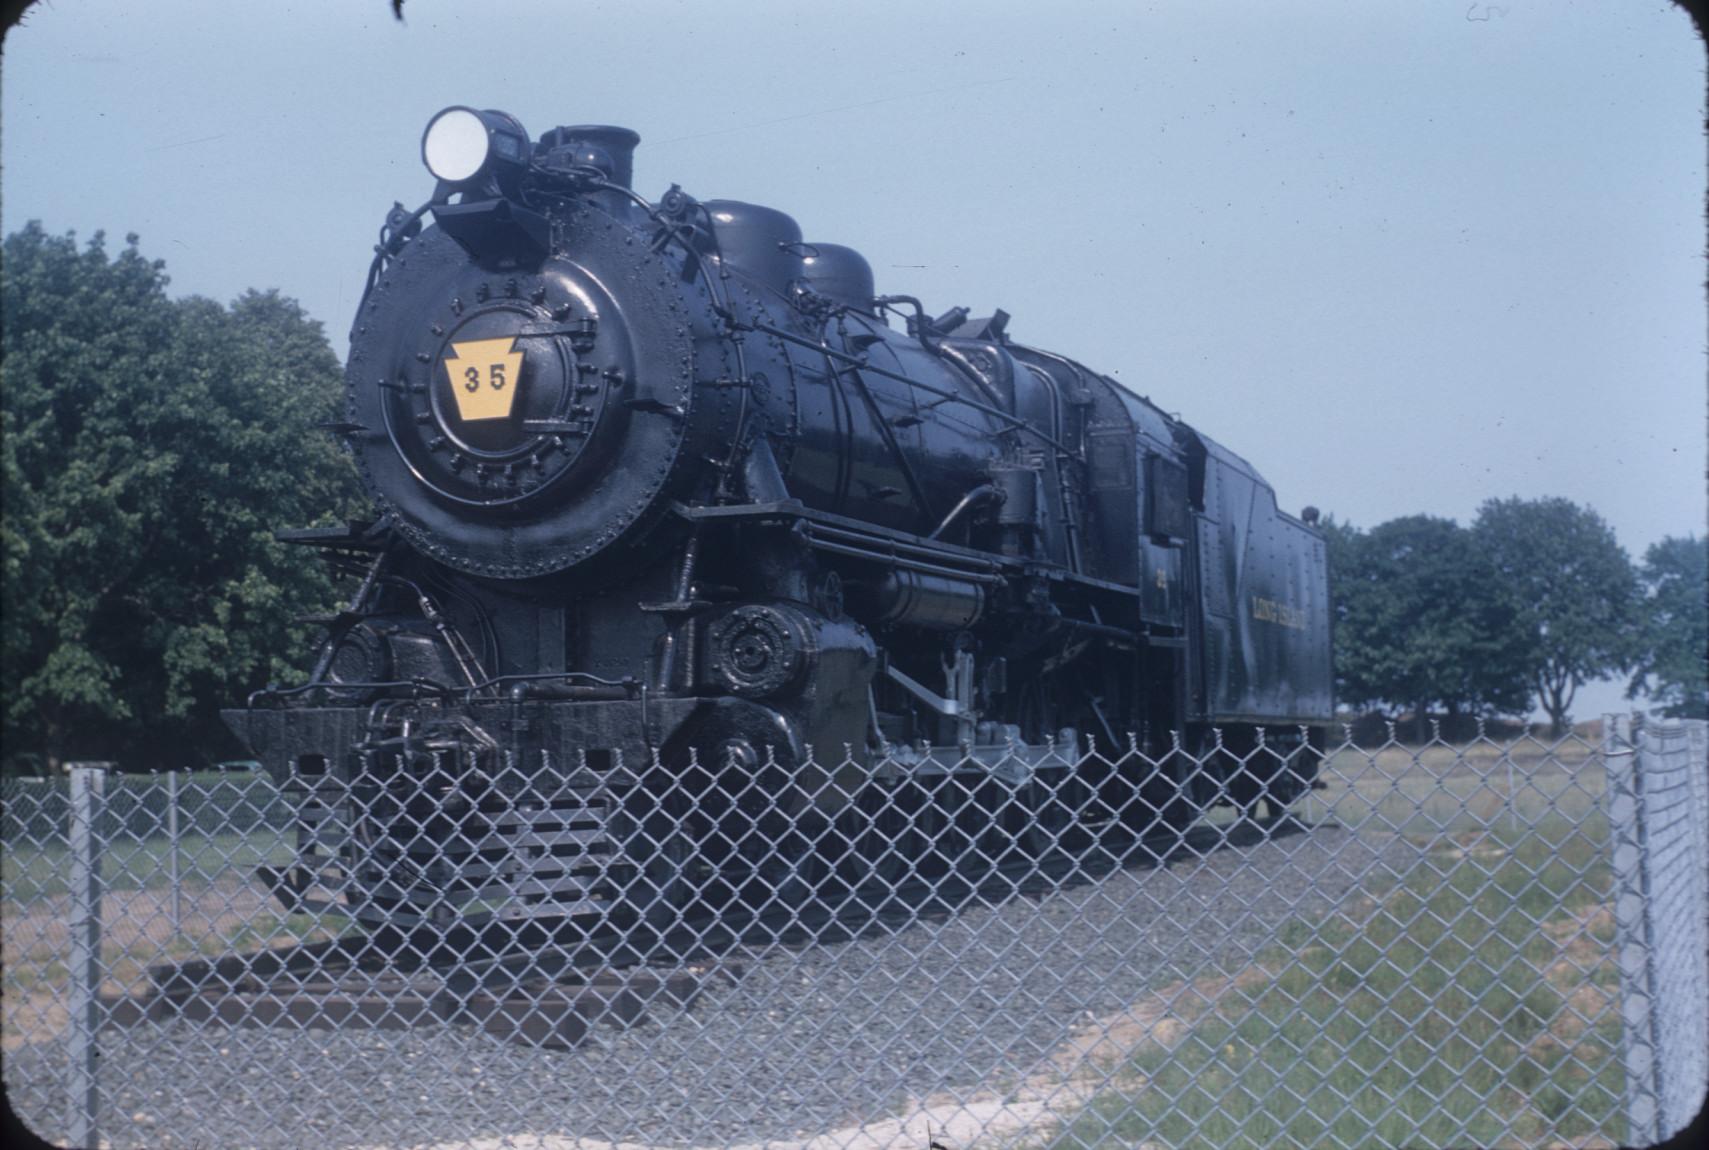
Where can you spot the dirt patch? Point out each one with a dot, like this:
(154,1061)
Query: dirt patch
(1472,845)
(1599,922)
(35,1015)
(137,922)
(1160,1020)
(136,931)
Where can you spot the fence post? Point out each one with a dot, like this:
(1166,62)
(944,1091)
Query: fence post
(1630,913)
(88,788)
(1697,735)
(172,852)
(1641,741)
(1512,798)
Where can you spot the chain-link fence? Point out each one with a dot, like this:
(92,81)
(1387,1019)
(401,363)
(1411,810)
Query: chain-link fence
(1660,809)
(1490,943)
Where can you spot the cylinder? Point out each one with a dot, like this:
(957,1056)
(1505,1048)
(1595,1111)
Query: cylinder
(1019,485)
(933,602)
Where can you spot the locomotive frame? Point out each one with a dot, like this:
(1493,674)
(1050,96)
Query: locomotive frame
(692,571)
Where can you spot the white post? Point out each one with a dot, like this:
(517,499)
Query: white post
(88,785)
(172,853)
(1512,799)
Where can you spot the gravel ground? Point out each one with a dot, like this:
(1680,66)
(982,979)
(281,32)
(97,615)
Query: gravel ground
(807,1038)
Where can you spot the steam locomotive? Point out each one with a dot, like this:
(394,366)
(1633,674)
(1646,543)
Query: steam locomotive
(699,564)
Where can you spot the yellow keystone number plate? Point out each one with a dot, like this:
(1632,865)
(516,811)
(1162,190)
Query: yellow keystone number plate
(483,374)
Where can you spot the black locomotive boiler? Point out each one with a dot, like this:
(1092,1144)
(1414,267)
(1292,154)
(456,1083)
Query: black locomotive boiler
(698,565)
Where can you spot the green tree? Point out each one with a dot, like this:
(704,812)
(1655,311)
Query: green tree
(150,447)
(1576,588)
(1421,620)
(1673,668)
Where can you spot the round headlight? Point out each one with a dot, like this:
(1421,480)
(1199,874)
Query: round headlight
(456,144)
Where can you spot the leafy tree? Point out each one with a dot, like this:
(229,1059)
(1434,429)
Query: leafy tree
(1576,588)
(1341,541)
(1421,619)
(1673,669)
(150,447)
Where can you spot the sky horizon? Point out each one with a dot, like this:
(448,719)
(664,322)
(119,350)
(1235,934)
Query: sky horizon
(1403,257)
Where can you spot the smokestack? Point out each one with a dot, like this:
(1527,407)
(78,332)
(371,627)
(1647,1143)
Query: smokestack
(600,145)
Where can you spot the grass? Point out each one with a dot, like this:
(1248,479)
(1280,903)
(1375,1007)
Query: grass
(226,823)
(1427,791)
(29,872)
(1472,1002)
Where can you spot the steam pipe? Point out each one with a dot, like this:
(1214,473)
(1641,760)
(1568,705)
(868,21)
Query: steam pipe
(981,494)
(922,323)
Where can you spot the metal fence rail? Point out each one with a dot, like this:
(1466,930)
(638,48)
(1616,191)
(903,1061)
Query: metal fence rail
(1485,943)
(1661,832)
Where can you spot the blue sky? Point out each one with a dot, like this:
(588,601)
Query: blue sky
(1403,255)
